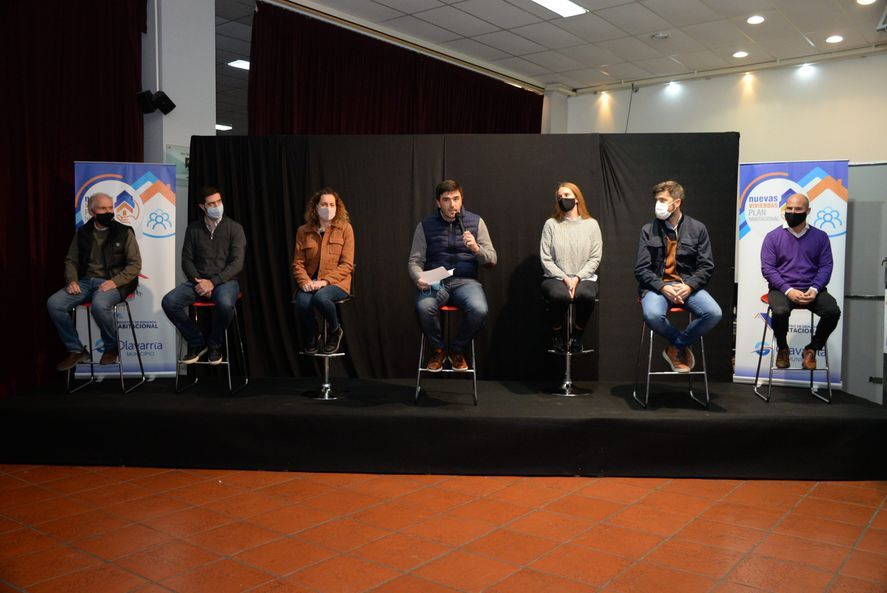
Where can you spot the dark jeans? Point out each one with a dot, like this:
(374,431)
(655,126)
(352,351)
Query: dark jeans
(465,293)
(322,301)
(61,303)
(557,297)
(176,302)
(823,305)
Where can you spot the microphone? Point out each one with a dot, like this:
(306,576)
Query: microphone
(459,220)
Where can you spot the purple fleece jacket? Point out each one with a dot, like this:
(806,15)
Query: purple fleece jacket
(789,262)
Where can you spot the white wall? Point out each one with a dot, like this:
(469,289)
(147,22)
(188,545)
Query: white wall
(837,111)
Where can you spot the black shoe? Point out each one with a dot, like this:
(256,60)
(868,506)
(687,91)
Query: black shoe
(193,355)
(576,341)
(215,356)
(558,343)
(333,341)
(311,347)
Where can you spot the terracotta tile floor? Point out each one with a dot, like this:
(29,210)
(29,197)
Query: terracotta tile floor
(113,530)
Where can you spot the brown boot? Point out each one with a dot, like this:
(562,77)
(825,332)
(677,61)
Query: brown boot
(675,359)
(782,359)
(458,362)
(72,360)
(809,359)
(435,362)
(109,356)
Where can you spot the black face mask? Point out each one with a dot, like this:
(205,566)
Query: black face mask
(566,204)
(105,218)
(795,218)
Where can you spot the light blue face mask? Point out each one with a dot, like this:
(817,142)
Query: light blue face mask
(215,212)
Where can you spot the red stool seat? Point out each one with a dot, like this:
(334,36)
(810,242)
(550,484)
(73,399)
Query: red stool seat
(207,303)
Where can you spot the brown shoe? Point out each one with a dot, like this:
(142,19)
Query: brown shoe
(109,356)
(435,363)
(689,358)
(809,359)
(72,360)
(782,359)
(675,359)
(458,362)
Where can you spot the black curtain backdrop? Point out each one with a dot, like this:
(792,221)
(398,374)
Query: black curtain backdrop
(310,77)
(387,184)
(72,71)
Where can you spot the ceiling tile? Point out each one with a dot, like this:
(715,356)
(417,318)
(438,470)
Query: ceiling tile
(661,67)
(774,27)
(599,4)
(852,39)
(701,60)
(591,27)
(498,12)
(235,30)
(677,42)
(421,30)
(588,77)
(410,6)
(232,9)
(521,66)
(456,20)
(535,9)
(626,71)
(232,45)
(362,9)
(731,8)
(717,34)
(682,12)
(472,48)
(548,35)
(788,47)
(510,43)
(807,15)
(591,55)
(554,61)
(755,54)
(630,49)
(634,18)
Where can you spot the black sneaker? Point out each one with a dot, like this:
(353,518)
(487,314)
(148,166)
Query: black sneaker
(193,354)
(558,343)
(333,341)
(576,341)
(312,346)
(215,356)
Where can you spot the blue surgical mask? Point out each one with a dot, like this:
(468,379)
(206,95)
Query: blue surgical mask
(215,212)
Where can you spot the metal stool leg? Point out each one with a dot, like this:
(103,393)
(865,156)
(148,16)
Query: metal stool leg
(473,373)
(72,372)
(179,387)
(637,361)
(244,366)
(135,341)
(419,371)
(707,401)
(566,388)
(827,369)
(760,358)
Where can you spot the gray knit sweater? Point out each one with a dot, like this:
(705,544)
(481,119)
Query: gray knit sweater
(571,247)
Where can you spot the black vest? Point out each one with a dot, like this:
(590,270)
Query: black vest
(113,255)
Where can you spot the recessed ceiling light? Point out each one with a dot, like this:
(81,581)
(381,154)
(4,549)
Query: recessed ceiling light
(660,36)
(755,19)
(865,2)
(834,39)
(740,54)
(565,8)
(223,127)
(242,64)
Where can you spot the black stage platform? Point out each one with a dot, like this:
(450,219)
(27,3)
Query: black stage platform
(517,429)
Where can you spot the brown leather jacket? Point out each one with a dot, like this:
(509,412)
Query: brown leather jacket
(332,257)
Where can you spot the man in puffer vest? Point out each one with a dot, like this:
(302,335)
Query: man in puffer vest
(102,266)
(457,240)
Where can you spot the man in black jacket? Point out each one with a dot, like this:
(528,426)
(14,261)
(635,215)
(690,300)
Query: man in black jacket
(102,266)
(212,257)
(673,266)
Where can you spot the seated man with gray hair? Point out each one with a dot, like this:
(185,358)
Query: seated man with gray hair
(102,266)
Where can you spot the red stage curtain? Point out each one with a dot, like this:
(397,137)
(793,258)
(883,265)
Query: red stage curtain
(71,72)
(311,77)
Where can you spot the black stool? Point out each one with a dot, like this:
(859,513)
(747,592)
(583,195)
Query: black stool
(326,392)
(446,310)
(71,378)
(207,304)
(689,375)
(828,375)
(567,389)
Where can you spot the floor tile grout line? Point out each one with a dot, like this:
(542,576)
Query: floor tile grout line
(855,547)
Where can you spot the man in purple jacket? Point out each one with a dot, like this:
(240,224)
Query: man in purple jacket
(796,260)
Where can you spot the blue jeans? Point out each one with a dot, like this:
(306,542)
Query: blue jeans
(323,301)
(465,293)
(705,310)
(176,302)
(60,304)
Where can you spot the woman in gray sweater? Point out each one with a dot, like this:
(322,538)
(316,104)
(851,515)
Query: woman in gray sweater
(571,250)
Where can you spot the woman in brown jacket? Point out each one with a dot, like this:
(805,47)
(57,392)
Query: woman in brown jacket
(322,266)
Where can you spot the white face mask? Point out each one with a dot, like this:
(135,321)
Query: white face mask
(215,212)
(326,213)
(662,211)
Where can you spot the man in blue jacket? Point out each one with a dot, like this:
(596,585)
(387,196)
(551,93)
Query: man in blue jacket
(673,267)
(456,239)
(796,260)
